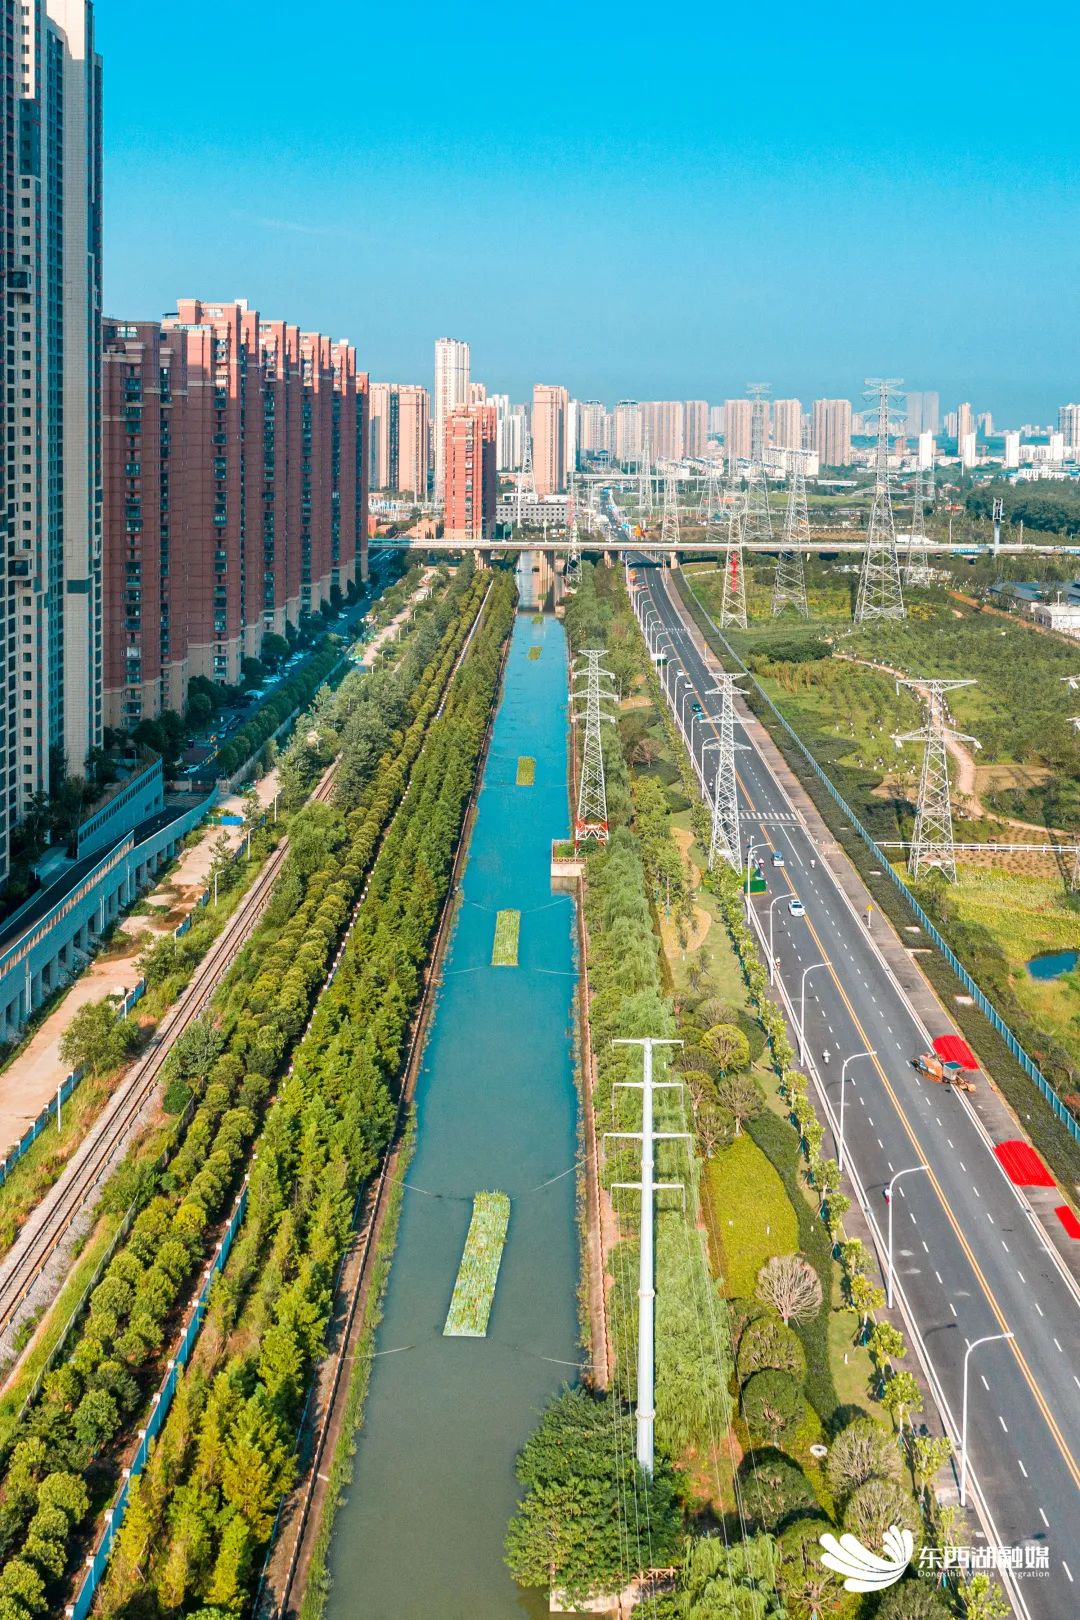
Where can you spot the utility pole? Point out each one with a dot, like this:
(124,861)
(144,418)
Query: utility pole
(648,1137)
(932,844)
(789,589)
(733,598)
(880,593)
(758,525)
(725,840)
(999,513)
(592,818)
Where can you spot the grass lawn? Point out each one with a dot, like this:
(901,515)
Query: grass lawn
(507,930)
(526,770)
(748,1214)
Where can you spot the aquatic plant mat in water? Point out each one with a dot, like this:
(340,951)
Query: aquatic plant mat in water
(474,1290)
(504,952)
(534,652)
(526,770)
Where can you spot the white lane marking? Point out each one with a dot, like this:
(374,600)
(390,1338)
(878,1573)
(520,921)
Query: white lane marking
(976,1191)
(1021,1467)
(1038,1307)
(1021,1276)
(1044,1519)
(990,1218)
(1004,1425)
(962,1165)
(952,1307)
(937,1274)
(924,1244)
(1004,1245)
(1066,1568)
(986,1386)
(1059,1347)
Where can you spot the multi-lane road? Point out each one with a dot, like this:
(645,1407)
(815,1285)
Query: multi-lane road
(970,1259)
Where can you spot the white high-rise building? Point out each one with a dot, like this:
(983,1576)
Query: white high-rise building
(451,390)
(716,419)
(965,445)
(831,432)
(50,399)
(965,424)
(926,449)
(572,436)
(1057,448)
(1011,457)
(628,426)
(787,424)
(1069,423)
(595,427)
(738,431)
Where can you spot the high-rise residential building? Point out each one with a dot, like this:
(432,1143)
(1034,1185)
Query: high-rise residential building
(831,432)
(1011,456)
(931,411)
(965,445)
(787,424)
(738,431)
(965,423)
(571,437)
(451,390)
(595,427)
(469,460)
(984,423)
(716,419)
(923,413)
(695,428)
(236,479)
(550,401)
(663,419)
(478,393)
(510,431)
(627,431)
(926,449)
(1069,423)
(399,434)
(414,437)
(1056,449)
(50,393)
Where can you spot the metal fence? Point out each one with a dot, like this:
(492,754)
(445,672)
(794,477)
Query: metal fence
(982,1001)
(162,1401)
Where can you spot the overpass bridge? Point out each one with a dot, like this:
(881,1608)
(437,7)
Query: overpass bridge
(844,541)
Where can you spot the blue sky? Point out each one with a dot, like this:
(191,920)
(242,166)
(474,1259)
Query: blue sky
(664,202)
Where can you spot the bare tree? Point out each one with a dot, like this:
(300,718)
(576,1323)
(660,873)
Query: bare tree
(741,1095)
(790,1284)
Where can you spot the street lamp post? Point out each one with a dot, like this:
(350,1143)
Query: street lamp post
(843,1074)
(989,1338)
(910,1171)
(750,848)
(776,901)
(802,1008)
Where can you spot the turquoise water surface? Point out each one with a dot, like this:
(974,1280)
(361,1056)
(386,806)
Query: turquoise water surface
(421,1534)
(1052,964)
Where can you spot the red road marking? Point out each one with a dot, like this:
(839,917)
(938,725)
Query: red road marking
(1023,1166)
(1068,1220)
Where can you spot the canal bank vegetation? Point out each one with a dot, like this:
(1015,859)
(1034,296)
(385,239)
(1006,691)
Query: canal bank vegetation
(775,1421)
(314,1140)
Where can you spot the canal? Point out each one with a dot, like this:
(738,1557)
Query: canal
(421,1533)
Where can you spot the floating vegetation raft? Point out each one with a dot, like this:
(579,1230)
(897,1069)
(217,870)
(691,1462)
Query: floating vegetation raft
(474,1290)
(526,771)
(538,618)
(534,652)
(504,952)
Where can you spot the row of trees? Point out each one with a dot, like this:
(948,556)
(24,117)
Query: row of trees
(198,1519)
(91,1398)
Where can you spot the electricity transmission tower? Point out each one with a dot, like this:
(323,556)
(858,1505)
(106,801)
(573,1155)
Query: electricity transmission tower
(881,595)
(648,1137)
(572,571)
(790,587)
(645,482)
(917,563)
(725,839)
(932,844)
(670,534)
(733,597)
(592,819)
(758,524)
(526,484)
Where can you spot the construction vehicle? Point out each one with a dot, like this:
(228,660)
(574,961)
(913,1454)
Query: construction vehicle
(943,1073)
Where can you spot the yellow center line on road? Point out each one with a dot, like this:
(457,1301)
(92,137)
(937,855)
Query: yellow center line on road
(1040,1400)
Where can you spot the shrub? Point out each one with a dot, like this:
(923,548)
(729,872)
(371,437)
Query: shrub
(771,1403)
(860,1452)
(749,1214)
(768,1343)
(789,1283)
(776,1492)
(875,1506)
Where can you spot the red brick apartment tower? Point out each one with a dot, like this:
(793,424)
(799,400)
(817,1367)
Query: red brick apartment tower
(216,337)
(344,491)
(469,463)
(277,454)
(317,374)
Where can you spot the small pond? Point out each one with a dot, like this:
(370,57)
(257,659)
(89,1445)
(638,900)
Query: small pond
(1052,964)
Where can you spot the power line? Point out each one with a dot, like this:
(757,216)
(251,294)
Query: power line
(881,595)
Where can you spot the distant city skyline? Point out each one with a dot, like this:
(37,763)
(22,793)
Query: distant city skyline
(604,225)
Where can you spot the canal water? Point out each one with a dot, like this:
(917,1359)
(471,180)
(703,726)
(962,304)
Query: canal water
(421,1533)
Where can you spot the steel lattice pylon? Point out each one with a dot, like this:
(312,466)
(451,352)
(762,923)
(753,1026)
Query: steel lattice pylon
(725,840)
(932,844)
(526,484)
(712,502)
(733,596)
(917,562)
(670,534)
(645,482)
(572,570)
(592,818)
(790,587)
(881,595)
(758,521)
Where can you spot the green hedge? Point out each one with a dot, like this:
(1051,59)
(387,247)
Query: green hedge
(750,1216)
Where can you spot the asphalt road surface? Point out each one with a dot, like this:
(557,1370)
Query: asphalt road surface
(968,1259)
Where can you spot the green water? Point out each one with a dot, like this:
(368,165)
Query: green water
(421,1534)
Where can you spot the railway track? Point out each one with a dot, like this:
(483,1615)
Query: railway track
(50,1222)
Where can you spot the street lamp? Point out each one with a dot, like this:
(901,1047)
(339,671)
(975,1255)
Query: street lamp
(776,902)
(802,1008)
(910,1171)
(843,1072)
(989,1338)
(750,848)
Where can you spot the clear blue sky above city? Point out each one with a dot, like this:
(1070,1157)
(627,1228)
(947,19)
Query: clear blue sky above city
(626,199)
